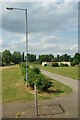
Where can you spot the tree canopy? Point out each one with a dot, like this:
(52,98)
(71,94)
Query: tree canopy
(6,57)
(16,57)
(45,58)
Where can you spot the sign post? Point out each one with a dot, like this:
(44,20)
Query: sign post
(36,103)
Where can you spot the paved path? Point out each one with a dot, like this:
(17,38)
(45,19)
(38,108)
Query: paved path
(60,107)
(70,101)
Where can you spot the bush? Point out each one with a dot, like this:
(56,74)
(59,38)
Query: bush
(2,64)
(31,78)
(73,64)
(23,69)
(23,65)
(54,64)
(35,77)
(66,65)
(43,84)
(36,70)
(63,65)
(45,64)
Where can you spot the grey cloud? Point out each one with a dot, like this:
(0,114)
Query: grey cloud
(39,19)
(45,24)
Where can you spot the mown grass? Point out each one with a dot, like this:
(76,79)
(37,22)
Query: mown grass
(72,72)
(0,85)
(14,89)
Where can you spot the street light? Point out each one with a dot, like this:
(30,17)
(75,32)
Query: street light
(26,28)
(36,104)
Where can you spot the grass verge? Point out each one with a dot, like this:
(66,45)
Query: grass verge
(72,72)
(14,89)
(58,89)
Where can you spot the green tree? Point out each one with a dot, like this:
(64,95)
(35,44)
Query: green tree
(16,57)
(23,57)
(76,58)
(41,58)
(0,59)
(65,57)
(45,58)
(31,57)
(50,57)
(58,58)
(55,59)
(6,57)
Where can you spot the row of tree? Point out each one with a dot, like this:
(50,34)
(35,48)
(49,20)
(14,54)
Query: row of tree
(65,57)
(6,57)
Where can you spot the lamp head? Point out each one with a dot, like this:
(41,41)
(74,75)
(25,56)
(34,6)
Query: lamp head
(9,8)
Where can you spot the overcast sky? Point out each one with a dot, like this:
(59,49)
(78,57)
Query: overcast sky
(52,27)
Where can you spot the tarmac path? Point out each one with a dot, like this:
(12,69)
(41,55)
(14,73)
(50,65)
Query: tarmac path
(60,107)
(70,101)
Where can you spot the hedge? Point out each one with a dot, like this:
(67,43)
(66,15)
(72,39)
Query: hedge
(35,77)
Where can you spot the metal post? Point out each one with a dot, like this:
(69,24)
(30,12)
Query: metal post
(26,29)
(36,103)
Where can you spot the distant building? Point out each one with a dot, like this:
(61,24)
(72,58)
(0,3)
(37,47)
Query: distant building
(44,63)
(69,64)
(50,63)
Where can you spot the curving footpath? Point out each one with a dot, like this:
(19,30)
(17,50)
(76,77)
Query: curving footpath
(68,102)
(60,107)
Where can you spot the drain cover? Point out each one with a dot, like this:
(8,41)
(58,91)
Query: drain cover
(50,109)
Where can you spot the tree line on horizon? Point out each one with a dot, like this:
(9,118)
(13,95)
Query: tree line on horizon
(7,58)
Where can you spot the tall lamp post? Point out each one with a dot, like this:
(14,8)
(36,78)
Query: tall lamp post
(26,28)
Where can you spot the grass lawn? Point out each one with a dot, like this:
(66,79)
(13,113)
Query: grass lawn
(72,72)
(14,89)
(0,85)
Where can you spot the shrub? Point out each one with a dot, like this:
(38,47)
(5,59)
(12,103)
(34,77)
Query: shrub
(43,84)
(63,65)
(31,78)
(23,65)
(2,64)
(54,64)
(35,77)
(23,69)
(36,70)
(66,65)
(73,64)
(45,64)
